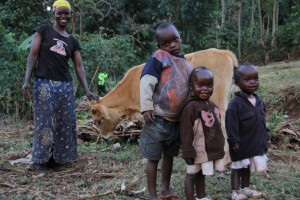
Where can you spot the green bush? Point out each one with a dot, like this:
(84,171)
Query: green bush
(12,65)
(113,56)
(274,120)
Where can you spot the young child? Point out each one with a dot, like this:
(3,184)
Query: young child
(247,133)
(163,91)
(201,134)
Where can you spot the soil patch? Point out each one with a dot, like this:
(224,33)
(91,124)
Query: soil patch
(289,103)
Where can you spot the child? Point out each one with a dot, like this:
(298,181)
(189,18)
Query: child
(201,134)
(163,91)
(247,133)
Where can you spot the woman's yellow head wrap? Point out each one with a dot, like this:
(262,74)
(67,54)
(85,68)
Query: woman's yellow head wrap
(61,3)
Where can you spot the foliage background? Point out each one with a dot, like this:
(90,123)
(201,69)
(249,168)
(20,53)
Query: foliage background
(118,34)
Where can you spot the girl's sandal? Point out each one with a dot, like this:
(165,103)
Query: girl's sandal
(238,196)
(251,193)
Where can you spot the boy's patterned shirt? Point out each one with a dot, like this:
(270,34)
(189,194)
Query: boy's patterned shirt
(171,90)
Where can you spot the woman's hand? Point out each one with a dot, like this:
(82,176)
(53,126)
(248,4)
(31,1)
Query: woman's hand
(92,96)
(25,89)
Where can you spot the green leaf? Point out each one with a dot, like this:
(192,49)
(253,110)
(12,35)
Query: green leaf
(26,43)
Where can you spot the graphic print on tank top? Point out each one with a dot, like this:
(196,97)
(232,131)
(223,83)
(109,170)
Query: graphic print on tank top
(59,47)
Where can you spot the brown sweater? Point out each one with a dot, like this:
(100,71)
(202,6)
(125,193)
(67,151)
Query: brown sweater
(200,131)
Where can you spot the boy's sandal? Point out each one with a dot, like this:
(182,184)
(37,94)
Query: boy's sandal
(238,196)
(251,193)
(169,197)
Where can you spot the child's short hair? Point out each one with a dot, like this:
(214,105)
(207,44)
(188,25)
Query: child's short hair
(163,26)
(237,72)
(195,70)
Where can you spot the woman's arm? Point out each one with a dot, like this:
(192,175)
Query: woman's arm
(80,71)
(31,61)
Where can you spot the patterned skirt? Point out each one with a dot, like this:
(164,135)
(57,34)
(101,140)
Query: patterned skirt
(54,121)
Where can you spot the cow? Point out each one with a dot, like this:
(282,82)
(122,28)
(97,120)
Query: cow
(123,102)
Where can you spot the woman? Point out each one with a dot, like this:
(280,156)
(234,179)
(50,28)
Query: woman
(54,102)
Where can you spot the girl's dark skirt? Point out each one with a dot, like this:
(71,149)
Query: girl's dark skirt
(55,121)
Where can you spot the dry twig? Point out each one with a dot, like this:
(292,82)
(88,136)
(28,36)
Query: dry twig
(95,195)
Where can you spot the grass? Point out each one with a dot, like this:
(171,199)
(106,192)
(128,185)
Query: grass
(276,80)
(101,169)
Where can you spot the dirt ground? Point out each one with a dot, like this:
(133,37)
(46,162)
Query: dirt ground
(97,169)
(105,172)
(290,103)
(114,170)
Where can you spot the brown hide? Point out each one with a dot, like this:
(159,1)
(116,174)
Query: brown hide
(124,100)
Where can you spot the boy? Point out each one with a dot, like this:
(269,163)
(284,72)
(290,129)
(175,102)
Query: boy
(163,91)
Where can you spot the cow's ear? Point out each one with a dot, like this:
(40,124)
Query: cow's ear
(104,112)
(94,109)
(95,112)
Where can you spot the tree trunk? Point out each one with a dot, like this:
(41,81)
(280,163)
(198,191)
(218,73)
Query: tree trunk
(252,19)
(223,13)
(277,15)
(178,17)
(80,24)
(264,34)
(216,32)
(261,24)
(73,23)
(274,23)
(268,25)
(240,5)
(180,25)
